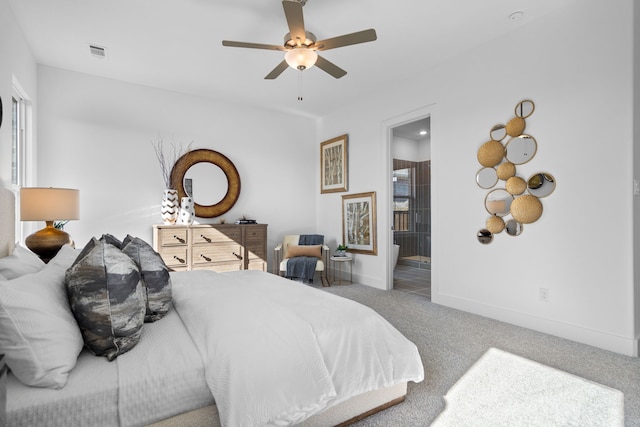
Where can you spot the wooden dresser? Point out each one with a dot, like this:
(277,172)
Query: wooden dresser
(218,247)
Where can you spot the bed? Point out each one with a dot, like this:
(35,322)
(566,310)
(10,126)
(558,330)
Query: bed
(235,349)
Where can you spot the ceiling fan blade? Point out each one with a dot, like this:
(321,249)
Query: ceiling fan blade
(295,20)
(277,71)
(330,67)
(252,45)
(347,39)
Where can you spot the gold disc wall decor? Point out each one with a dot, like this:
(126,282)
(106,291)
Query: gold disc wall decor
(518,202)
(526,209)
(491,153)
(506,170)
(516,185)
(495,224)
(516,126)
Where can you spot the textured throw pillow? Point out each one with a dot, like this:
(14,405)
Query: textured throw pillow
(22,261)
(155,277)
(38,334)
(304,250)
(112,239)
(107,299)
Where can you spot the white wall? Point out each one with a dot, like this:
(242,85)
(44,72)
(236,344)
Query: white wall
(17,63)
(95,135)
(577,67)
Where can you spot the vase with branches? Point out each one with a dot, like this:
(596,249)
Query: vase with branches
(170,203)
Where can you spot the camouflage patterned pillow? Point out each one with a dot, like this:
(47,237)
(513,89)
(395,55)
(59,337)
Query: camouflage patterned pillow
(155,277)
(107,299)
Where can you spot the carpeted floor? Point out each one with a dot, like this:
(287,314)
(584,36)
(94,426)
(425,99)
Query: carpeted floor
(451,341)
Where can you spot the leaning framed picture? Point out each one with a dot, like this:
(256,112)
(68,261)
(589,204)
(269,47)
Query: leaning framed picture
(359,222)
(333,165)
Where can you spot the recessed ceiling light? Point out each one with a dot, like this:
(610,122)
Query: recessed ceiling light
(423,132)
(514,16)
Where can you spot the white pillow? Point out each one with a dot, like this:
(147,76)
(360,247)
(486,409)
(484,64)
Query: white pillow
(22,261)
(38,333)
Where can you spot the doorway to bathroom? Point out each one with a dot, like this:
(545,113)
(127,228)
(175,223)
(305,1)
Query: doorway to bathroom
(411,221)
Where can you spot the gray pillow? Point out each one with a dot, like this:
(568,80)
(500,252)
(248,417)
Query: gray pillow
(155,277)
(107,299)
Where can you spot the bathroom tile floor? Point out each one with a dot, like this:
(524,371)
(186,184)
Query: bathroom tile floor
(412,280)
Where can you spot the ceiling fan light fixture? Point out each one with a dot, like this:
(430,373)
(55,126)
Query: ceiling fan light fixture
(301,58)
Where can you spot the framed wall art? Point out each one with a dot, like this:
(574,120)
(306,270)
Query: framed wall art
(333,165)
(359,223)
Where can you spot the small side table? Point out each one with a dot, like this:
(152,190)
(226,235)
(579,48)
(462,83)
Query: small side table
(338,261)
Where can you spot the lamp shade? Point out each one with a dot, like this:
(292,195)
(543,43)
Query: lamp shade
(301,58)
(49,204)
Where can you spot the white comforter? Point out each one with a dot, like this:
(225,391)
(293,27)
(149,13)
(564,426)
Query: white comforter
(276,351)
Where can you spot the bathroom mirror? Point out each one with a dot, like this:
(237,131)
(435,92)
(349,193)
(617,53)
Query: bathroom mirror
(484,236)
(525,108)
(214,179)
(513,228)
(521,149)
(498,132)
(498,202)
(487,177)
(541,184)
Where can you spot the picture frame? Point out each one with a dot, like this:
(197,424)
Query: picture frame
(359,222)
(334,165)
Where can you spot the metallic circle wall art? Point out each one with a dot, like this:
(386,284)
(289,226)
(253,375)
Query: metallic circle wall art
(518,202)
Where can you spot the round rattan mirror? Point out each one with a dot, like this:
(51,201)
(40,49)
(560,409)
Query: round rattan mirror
(195,157)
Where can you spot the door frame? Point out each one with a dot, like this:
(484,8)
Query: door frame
(387,138)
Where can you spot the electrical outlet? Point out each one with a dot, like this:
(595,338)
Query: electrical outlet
(544,294)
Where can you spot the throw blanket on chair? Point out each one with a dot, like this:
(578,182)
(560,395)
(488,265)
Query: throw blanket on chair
(304,267)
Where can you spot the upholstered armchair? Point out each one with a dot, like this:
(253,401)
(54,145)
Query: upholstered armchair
(292,248)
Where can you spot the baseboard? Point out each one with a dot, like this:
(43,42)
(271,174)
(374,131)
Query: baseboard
(595,338)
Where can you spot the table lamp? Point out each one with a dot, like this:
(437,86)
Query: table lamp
(49,205)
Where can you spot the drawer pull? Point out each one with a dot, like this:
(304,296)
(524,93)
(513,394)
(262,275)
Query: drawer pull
(205,257)
(205,238)
(237,256)
(179,239)
(180,260)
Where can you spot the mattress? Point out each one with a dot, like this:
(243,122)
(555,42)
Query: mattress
(160,377)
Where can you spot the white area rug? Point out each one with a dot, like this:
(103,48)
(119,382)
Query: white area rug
(502,389)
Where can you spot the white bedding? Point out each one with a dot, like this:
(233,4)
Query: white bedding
(277,352)
(161,376)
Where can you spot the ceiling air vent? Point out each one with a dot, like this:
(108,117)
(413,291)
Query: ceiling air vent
(98,51)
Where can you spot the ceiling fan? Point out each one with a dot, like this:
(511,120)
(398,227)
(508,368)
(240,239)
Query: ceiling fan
(301,45)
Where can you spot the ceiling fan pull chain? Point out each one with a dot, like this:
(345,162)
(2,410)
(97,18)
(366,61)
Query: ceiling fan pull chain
(300,85)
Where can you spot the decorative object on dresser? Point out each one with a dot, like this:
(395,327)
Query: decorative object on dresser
(186,169)
(48,204)
(170,206)
(187,213)
(170,203)
(218,247)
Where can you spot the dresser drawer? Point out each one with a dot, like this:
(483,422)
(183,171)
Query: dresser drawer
(256,250)
(174,256)
(220,267)
(215,235)
(255,234)
(173,236)
(220,252)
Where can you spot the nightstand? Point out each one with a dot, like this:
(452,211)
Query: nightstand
(3,391)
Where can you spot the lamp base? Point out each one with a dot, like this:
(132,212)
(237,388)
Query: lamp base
(47,242)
